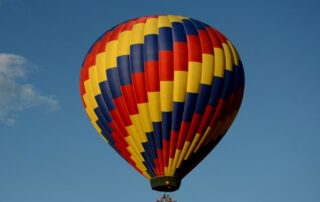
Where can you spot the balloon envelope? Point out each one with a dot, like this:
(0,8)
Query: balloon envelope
(162,91)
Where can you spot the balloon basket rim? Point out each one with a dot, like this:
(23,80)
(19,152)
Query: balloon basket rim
(165,183)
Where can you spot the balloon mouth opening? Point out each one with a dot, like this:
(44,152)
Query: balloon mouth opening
(165,183)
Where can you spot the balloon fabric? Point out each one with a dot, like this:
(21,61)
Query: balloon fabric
(162,91)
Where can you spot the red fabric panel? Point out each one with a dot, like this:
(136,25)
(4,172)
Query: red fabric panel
(139,87)
(152,76)
(166,65)
(180,54)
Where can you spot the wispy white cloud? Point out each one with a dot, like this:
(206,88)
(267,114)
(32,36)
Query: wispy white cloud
(17,96)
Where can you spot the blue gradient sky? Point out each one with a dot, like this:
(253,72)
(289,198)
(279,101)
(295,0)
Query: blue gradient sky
(49,152)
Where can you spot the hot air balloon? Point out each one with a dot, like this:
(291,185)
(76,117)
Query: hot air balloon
(162,91)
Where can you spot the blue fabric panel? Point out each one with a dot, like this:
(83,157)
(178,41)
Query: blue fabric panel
(166,125)
(177,115)
(215,91)
(190,103)
(165,38)
(158,134)
(136,58)
(178,32)
(203,98)
(103,108)
(106,94)
(124,69)
(228,80)
(113,79)
(151,44)
(189,27)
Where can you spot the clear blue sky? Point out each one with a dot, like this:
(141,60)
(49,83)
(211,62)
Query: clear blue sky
(49,151)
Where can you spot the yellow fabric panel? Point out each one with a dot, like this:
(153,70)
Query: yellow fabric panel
(134,151)
(219,62)
(167,170)
(92,90)
(140,166)
(180,85)
(183,153)
(194,76)
(205,135)
(135,119)
(234,52)
(228,57)
(151,26)
(90,105)
(93,78)
(154,106)
(135,136)
(207,69)
(193,145)
(89,98)
(111,54)
(144,117)
(166,95)
(123,43)
(101,66)
(146,175)
(164,21)
(89,110)
(174,18)
(137,36)
(172,168)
